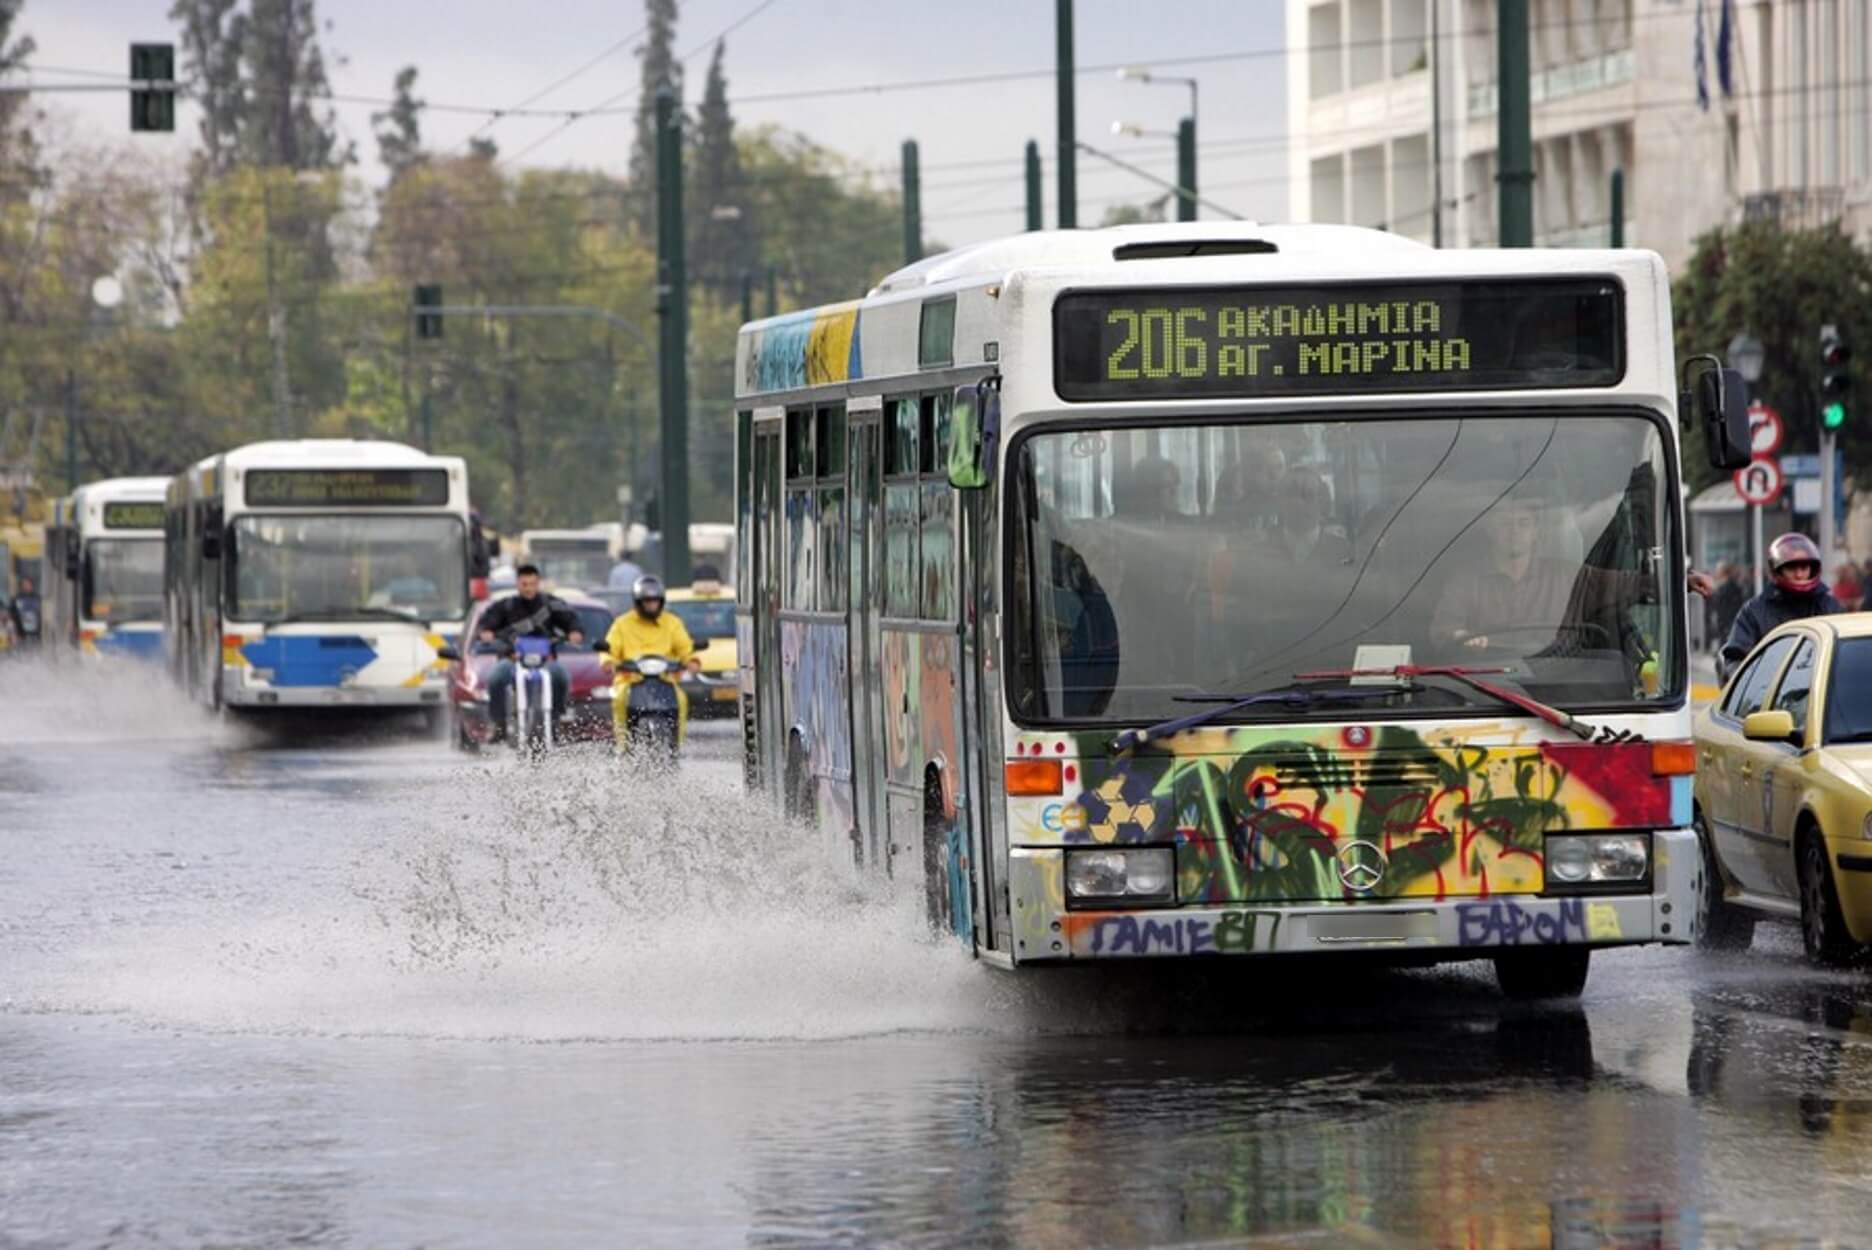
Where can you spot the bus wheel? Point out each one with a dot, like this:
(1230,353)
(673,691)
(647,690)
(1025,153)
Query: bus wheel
(938,906)
(1543,972)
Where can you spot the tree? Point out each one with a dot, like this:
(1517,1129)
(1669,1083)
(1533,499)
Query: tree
(481,148)
(659,69)
(1781,286)
(284,123)
(1135,214)
(16,141)
(212,35)
(721,208)
(399,129)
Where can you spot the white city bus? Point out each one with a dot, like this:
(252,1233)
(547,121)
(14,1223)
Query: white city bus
(103,591)
(1223,589)
(317,573)
(574,559)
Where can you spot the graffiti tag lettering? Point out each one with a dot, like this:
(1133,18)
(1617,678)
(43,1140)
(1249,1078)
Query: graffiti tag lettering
(1499,923)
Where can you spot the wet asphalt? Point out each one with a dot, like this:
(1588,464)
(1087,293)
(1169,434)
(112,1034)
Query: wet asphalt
(337,985)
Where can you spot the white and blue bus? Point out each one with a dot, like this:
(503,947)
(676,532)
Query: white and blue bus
(317,573)
(103,592)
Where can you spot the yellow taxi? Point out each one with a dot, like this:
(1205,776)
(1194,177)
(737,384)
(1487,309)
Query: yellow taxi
(707,610)
(1784,791)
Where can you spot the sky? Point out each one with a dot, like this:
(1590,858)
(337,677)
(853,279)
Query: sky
(497,53)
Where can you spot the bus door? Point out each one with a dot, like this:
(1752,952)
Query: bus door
(865,513)
(975,575)
(768,716)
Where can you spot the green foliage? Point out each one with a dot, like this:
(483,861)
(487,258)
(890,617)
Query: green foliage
(399,128)
(1781,286)
(723,205)
(658,68)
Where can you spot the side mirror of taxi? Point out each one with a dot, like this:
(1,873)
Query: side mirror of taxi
(447,653)
(1770,726)
(701,646)
(602,646)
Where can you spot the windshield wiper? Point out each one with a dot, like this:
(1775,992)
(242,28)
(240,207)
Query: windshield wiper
(313,615)
(1295,698)
(1472,678)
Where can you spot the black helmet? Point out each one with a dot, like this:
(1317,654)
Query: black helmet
(648,587)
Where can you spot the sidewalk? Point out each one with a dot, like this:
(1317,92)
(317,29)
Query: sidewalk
(1703,685)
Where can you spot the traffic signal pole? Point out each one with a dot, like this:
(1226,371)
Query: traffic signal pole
(673,356)
(1835,392)
(1068,135)
(1514,126)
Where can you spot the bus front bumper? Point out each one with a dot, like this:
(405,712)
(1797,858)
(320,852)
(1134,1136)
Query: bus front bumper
(238,692)
(1449,928)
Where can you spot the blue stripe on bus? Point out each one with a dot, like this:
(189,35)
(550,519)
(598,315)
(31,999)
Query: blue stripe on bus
(310,659)
(142,644)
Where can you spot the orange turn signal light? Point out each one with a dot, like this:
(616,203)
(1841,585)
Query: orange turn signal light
(233,640)
(1033,777)
(1673,759)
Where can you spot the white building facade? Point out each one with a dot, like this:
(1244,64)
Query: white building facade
(1614,87)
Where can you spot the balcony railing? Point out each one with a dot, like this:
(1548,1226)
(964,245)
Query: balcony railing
(1591,74)
(1796,208)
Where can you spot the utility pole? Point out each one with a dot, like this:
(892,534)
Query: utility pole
(1436,125)
(673,353)
(1514,122)
(276,325)
(1186,169)
(1618,208)
(71,429)
(1068,132)
(1034,219)
(773,290)
(912,204)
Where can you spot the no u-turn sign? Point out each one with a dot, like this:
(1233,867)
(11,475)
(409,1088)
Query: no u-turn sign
(1759,482)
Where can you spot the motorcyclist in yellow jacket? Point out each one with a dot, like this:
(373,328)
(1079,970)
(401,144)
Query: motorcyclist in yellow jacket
(647,630)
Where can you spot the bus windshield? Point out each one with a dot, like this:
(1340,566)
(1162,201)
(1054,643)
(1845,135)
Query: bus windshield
(1159,563)
(124,580)
(570,563)
(338,567)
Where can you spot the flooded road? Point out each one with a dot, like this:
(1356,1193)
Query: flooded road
(350,991)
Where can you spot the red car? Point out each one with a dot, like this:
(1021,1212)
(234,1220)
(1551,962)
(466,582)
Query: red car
(590,719)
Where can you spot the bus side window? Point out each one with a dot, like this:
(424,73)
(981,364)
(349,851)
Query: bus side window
(937,565)
(902,509)
(829,474)
(801,508)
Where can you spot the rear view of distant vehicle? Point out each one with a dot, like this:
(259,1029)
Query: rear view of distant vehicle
(578,559)
(104,569)
(319,573)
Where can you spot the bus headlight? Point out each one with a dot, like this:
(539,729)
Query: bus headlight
(1584,861)
(1121,875)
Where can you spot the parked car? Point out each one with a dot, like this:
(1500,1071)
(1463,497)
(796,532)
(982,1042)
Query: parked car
(470,727)
(1784,791)
(709,616)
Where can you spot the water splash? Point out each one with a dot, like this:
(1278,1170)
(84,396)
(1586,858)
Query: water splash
(93,701)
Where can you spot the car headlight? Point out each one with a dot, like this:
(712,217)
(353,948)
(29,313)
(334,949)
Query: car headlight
(603,692)
(1587,860)
(1121,875)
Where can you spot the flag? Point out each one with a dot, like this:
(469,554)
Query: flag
(1702,63)
(1725,44)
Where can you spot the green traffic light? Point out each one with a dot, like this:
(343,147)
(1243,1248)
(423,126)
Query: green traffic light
(1833,416)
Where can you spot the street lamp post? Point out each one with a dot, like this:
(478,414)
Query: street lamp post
(1747,355)
(1185,135)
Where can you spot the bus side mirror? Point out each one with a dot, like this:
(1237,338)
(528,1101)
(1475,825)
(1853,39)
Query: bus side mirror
(211,544)
(1716,400)
(974,432)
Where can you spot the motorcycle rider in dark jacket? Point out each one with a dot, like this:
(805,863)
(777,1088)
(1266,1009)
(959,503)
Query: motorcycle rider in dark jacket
(527,613)
(1795,591)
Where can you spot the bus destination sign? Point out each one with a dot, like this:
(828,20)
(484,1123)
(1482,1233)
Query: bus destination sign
(138,515)
(1250,342)
(368,488)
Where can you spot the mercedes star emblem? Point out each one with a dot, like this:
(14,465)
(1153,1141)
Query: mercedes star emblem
(1362,866)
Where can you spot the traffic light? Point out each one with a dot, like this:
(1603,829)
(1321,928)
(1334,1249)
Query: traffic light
(1835,380)
(152,95)
(428,323)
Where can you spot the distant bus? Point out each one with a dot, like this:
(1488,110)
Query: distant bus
(1217,589)
(316,573)
(103,591)
(574,559)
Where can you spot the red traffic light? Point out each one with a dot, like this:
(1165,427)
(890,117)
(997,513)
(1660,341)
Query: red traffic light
(1833,350)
